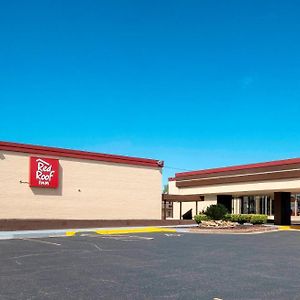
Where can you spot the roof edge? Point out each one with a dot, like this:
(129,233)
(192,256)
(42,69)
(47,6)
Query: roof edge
(79,154)
(240,167)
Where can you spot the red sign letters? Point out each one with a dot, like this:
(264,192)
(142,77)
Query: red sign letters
(43,172)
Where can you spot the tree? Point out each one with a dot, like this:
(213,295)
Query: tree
(166,189)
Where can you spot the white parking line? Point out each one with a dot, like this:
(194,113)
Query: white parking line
(123,237)
(42,242)
(26,255)
(126,238)
(97,247)
(172,234)
(141,237)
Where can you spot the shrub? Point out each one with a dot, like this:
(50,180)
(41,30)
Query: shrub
(227,217)
(258,219)
(245,218)
(248,218)
(241,218)
(201,217)
(234,218)
(216,211)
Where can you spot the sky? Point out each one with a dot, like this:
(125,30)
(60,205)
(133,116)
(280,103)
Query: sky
(198,84)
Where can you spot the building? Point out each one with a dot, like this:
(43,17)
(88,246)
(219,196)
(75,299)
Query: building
(270,188)
(58,185)
(167,209)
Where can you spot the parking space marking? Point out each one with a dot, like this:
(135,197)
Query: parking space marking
(27,255)
(121,237)
(141,237)
(97,247)
(101,249)
(172,234)
(42,242)
(125,238)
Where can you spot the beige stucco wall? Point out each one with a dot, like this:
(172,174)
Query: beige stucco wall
(263,187)
(108,191)
(186,206)
(173,189)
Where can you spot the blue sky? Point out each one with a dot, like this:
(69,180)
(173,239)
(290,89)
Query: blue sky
(198,84)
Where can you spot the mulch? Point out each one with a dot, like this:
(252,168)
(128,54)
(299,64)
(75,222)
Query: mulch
(236,229)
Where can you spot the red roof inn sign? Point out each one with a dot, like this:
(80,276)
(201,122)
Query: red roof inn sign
(43,172)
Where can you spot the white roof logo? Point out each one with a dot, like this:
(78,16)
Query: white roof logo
(42,161)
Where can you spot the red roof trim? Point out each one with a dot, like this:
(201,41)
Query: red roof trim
(171,179)
(60,152)
(241,167)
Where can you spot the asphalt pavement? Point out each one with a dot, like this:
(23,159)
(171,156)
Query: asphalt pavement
(152,266)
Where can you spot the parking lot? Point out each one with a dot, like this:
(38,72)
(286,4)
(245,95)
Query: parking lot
(152,266)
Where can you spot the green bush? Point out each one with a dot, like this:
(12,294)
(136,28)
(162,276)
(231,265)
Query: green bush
(216,211)
(201,217)
(234,218)
(258,219)
(227,217)
(245,218)
(248,218)
(240,218)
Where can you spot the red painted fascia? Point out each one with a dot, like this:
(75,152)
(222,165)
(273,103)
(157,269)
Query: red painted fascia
(240,167)
(60,152)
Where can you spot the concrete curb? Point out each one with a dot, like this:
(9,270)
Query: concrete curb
(111,231)
(289,227)
(6,235)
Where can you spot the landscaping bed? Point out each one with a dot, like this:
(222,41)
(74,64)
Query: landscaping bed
(216,219)
(235,229)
